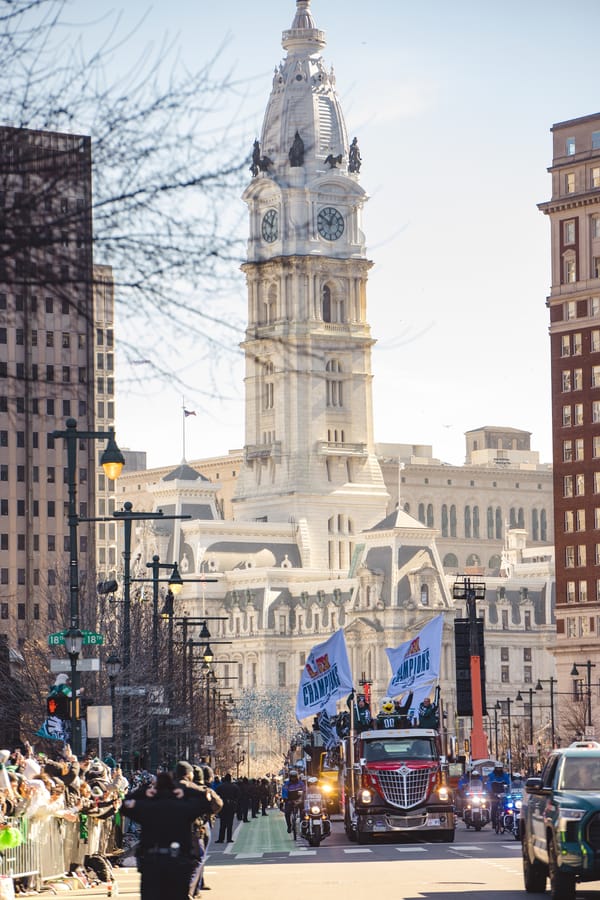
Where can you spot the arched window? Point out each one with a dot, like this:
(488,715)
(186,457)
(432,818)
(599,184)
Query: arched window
(268,386)
(271,305)
(467,521)
(476,522)
(535,525)
(498,524)
(450,561)
(430,515)
(334,385)
(473,560)
(490,523)
(444,521)
(521,518)
(407,508)
(543,526)
(494,562)
(512,518)
(326,303)
(421,514)
(425,594)
(453,521)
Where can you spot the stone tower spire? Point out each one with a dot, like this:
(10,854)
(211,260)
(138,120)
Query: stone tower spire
(309,455)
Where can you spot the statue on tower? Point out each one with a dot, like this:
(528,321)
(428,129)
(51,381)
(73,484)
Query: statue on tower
(296,153)
(354,157)
(259,163)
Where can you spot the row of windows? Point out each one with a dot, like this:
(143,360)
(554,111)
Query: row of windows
(574,415)
(472,524)
(574,486)
(505,673)
(577,626)
(51,305)
(570,143)
(592,177)
(50,542)
(21,611)
(572,379)
(571,343)
(51,373)
(569,275)
(51,577)
(51,405)
(577,591)
(569,227)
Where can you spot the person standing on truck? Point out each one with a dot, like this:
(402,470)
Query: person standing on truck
(428,714)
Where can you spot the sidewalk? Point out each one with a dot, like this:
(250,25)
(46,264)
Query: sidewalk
(265,834)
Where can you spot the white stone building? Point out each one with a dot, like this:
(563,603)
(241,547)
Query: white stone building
(312,545)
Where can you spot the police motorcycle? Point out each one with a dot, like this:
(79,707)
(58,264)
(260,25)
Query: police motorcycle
(315,824)
(476,807)
(510,814)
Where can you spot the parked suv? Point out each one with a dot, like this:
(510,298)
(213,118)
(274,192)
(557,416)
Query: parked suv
(560,822)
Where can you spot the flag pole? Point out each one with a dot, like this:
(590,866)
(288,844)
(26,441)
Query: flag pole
(183,417)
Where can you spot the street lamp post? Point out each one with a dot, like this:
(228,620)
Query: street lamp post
(128,516)
(519,699)
(112,462)
(496,730)
(499,706)
(113,667)
(589,665)
(73,645)
(539,687)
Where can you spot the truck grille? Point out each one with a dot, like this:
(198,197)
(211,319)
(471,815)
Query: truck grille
(594,832)
(404,787)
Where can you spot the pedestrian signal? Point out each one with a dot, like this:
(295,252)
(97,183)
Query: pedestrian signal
(59,705)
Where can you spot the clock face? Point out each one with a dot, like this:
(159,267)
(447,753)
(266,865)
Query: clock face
(330,223)
(270,228)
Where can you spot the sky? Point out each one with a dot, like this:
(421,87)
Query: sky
(452,104)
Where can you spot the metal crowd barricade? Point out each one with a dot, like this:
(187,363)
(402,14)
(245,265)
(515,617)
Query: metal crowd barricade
(24,860)
(50,846)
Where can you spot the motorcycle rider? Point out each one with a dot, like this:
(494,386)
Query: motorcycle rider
(497,784)
(293,789)
(469,783)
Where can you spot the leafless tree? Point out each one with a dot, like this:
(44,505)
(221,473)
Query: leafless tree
(167,162)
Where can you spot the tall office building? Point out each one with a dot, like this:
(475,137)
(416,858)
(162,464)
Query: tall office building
(46,370)
(574,304)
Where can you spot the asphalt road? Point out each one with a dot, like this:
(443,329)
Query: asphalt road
(264,863)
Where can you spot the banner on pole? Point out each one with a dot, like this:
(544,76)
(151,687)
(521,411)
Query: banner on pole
(417,661)
(326,677)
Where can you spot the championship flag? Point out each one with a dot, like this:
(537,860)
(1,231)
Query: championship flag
(416,662)
(326,677)
(330,738)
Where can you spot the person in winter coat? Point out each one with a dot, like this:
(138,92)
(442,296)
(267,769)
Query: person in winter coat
(229,793)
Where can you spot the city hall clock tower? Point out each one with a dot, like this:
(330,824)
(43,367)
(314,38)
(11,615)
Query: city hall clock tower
(309,453)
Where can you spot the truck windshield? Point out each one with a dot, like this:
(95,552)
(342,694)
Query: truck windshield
(397,749)
(581,774)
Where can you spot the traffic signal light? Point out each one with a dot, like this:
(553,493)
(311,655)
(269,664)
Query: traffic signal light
(59,705)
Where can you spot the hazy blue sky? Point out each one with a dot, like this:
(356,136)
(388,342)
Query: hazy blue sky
(452,105)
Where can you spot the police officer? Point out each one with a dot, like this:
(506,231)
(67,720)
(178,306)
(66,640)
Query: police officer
(166,813)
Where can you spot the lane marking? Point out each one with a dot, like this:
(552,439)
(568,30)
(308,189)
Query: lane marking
(303,853)
(357,850)
(411,849)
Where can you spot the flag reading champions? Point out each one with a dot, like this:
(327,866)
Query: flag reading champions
(417,661)
(326,677)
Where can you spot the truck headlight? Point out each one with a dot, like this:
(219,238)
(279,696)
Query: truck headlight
(326,788)
(443,794)
(366,797)
(566,815)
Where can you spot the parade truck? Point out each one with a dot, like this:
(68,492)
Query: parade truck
(394,782)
